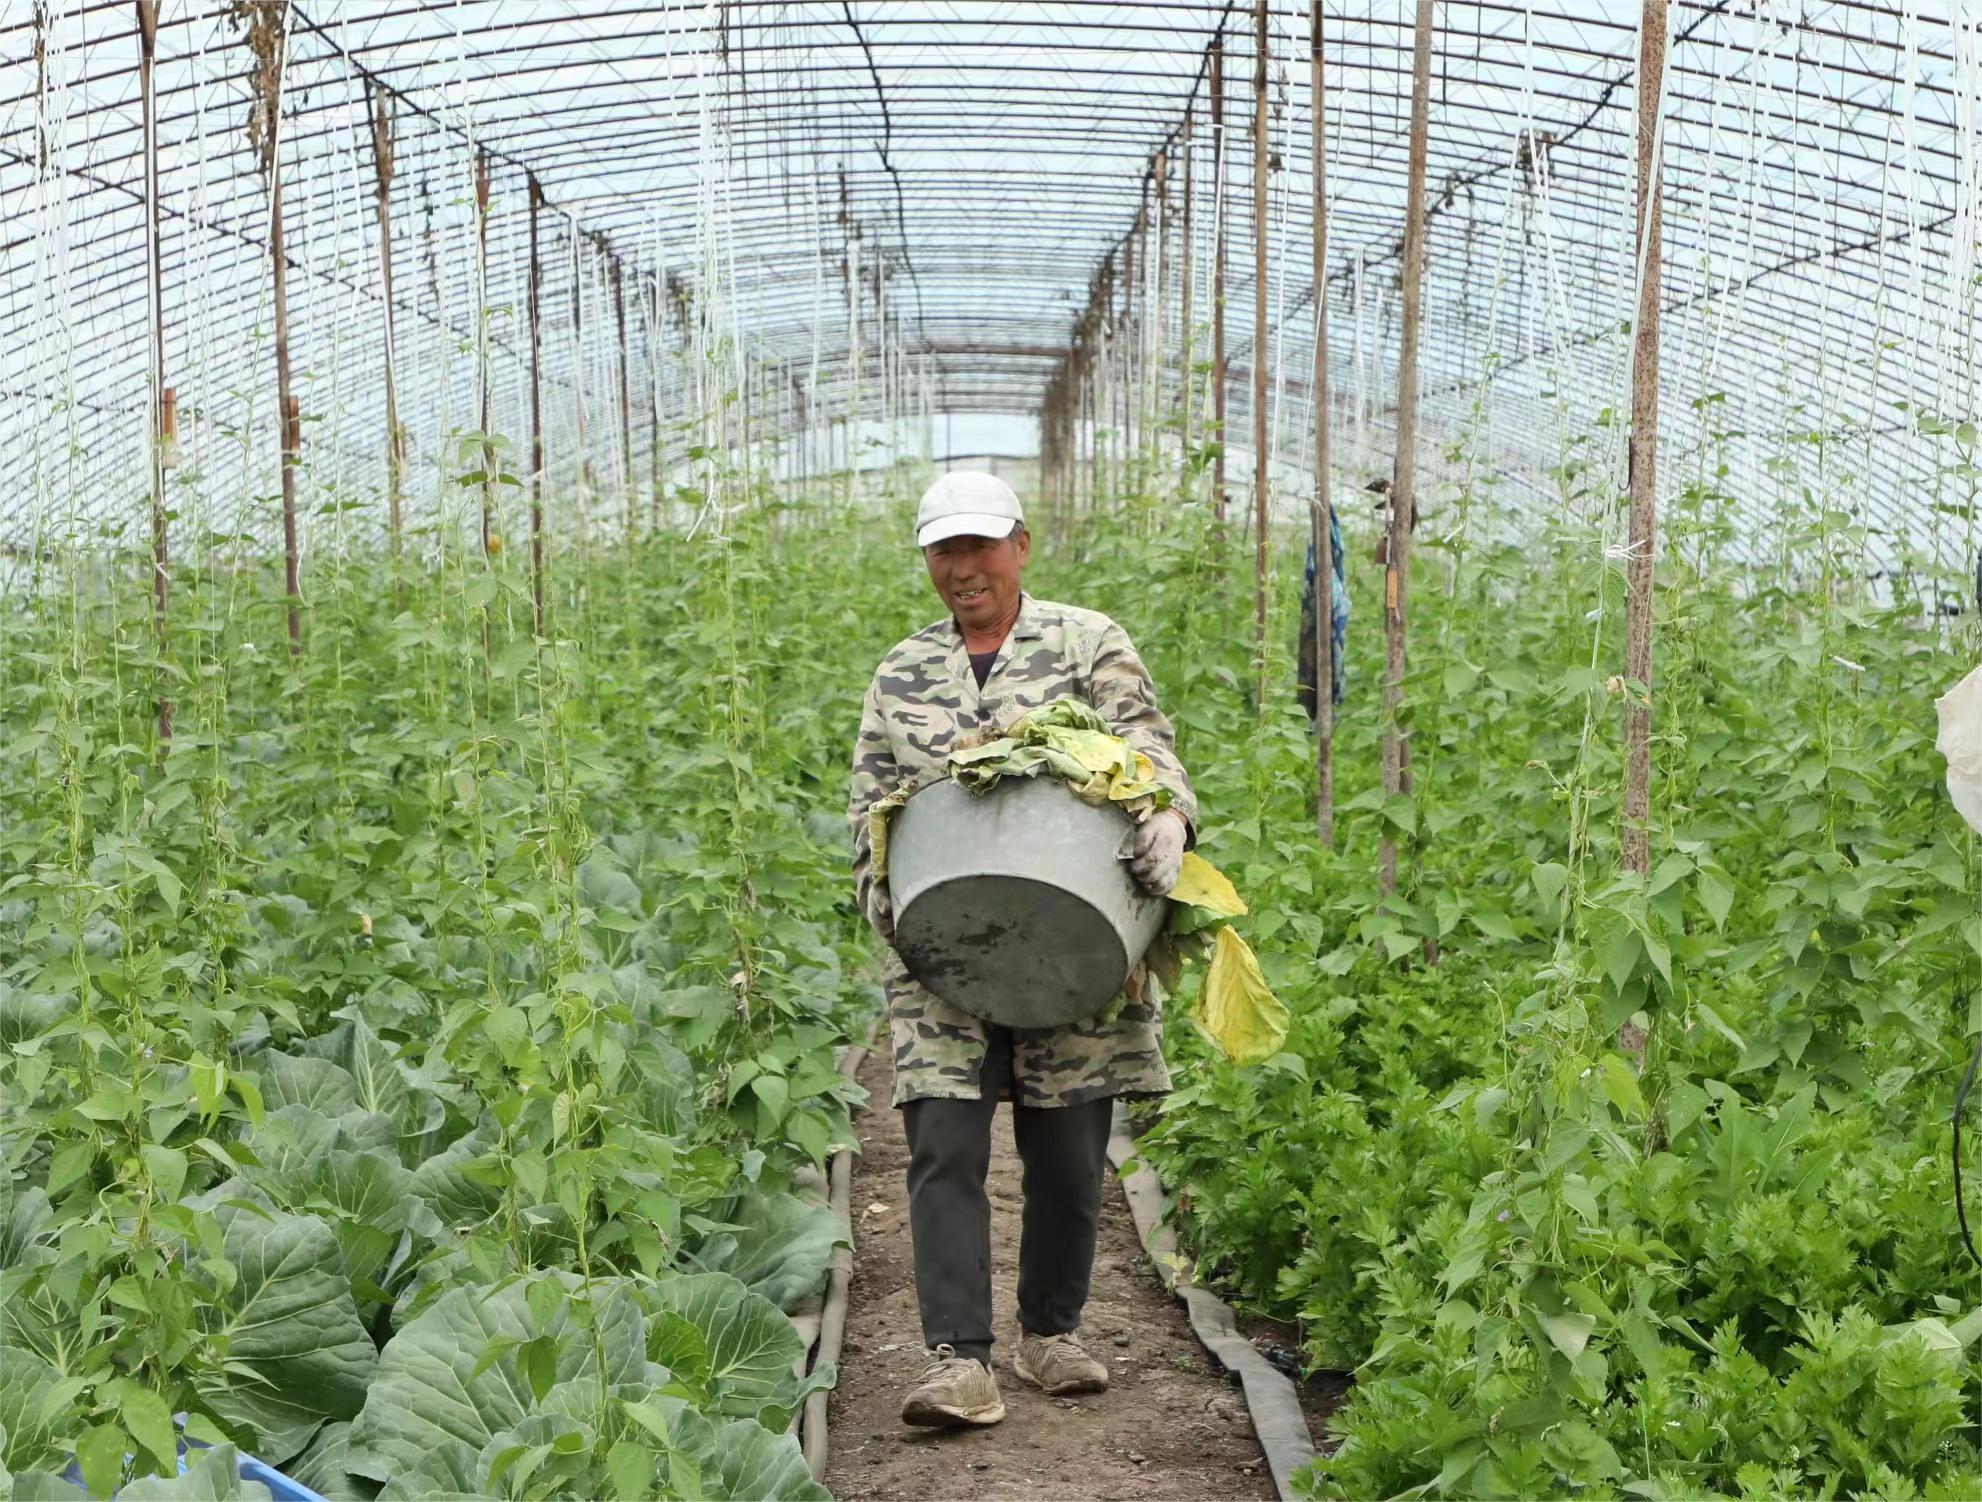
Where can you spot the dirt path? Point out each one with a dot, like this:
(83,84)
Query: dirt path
(1166,1428)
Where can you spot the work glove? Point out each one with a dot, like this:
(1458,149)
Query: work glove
(880,911)
(1156,855)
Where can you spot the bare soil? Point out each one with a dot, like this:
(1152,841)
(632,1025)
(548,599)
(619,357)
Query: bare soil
(1170,1426)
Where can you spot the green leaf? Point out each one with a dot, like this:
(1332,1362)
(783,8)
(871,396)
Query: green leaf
(1617,944)
(100,1456)
(211,1476)
(1549,878)
(1716,894)
(773,1093)
(315,1084)
(150,1422)
(321,1467)
(630,1472)
(428,1391)
(33,1434)
(745,1344)
(167,1168)
(295,1350)
(452,1195)
(374,1069)
(1569,1331)
(782,1249)
(1621,1085)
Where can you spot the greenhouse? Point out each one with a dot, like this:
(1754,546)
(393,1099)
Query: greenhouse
(538,821)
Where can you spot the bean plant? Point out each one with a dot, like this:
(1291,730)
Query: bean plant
(1729,1268)
(418,1070)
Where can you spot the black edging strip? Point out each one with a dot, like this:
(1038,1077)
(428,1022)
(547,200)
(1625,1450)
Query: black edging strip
(1270,1397)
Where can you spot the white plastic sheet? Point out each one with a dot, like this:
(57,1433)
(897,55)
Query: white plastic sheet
(1960,741)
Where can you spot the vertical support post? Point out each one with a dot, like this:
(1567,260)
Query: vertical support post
(395,436)
(163,405)
(488,464)
(625,396)
(1634,834)
(1259,355)
(1403,498)
(578,369)
(655,318)
(536,304)
(1155,360)
(1189,316)
(288,411)
(1218,273)
(1324,577)
(1125,355)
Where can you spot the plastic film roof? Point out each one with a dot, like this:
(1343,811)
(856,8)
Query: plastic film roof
(859,216)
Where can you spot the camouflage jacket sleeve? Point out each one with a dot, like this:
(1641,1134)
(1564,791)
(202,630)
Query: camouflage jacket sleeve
(1120,689)
(875,775)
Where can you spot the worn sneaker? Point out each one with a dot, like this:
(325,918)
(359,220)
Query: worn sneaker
(954,1390)
(1059,1364)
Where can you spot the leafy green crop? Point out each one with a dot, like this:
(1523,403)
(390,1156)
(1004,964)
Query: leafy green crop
(409,1073)
(1731,1271)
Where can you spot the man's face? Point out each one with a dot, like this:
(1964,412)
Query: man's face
(978,577)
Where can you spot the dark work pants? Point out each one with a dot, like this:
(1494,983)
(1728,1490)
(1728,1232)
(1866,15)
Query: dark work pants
(1063,1151)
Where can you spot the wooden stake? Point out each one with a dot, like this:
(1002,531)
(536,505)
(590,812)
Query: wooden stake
(164,403)
(1634,834)
(1189,318)
(290,412)
(1154,358)
(482,348)
(536,297)
(625,395)
(578,376)
(1403,501)
(395,436)
(1259,359)
(1324,556)
(654,324)
(1218,275)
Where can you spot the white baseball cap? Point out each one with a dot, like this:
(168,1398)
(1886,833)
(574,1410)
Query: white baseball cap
(966,503)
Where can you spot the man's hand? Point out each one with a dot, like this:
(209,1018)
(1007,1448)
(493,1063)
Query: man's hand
(881,912)
(1156,858)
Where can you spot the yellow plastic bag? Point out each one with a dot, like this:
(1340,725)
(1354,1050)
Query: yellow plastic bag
(1235,1008)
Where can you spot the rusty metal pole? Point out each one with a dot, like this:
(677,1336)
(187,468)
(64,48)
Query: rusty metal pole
(1134,269)
(1155,359)
(161,398)
(1634,833)
(1218,275)
(536,299)
(578,376)
(1403,499)
(1324,558)
(1259,355)
(625,396)
(654,402)
(288,409)
(488,463)
(1189,329)
(395,437)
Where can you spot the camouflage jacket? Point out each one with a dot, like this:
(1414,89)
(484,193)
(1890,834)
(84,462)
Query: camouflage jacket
(923,697)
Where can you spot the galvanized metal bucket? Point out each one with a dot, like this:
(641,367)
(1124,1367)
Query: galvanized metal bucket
(1015,905)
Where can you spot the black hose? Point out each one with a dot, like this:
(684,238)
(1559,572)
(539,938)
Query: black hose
(1960,1105)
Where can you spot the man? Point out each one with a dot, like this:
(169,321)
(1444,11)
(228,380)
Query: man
(997,654)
